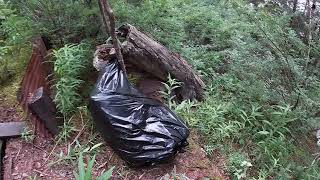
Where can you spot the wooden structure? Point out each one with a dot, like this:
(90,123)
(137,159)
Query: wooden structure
(11,129)
(36,76)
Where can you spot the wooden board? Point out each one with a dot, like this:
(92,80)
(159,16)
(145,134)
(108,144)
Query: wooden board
(11,129)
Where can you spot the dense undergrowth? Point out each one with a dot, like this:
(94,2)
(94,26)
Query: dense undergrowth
(262,94)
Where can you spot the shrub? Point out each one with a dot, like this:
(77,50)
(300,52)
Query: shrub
(62,21)
(15,32)
(70,63)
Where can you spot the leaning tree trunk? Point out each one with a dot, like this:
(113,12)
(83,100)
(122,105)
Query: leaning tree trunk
(147,54)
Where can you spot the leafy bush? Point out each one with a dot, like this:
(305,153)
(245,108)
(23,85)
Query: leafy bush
(62,21)
(14,47)
(238,165)
(254,66)
(70,63)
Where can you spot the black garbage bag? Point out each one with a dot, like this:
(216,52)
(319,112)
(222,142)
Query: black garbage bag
(141,130)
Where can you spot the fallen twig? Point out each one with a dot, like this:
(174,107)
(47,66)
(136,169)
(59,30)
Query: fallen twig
(78,135)
(38,147)
(104,164)
(41,173)
(18,153)
(51,152)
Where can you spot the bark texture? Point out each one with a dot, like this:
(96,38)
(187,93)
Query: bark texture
(154,58)
(107,11)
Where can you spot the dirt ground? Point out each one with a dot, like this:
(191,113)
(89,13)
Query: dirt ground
(43,159)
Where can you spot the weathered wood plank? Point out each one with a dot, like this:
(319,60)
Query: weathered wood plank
(11,129)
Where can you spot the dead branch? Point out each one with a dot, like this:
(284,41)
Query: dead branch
(106,11)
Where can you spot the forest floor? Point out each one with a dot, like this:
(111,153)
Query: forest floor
(44,158)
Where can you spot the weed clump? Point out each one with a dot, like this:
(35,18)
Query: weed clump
(70,62)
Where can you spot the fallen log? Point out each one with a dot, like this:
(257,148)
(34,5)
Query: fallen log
(148,55)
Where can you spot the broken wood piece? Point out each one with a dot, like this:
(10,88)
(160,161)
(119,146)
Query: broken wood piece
(11,129)
(154,58)
(42,106)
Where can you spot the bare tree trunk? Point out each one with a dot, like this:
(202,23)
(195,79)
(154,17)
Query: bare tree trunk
(152,57)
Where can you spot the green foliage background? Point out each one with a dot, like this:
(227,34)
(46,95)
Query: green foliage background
(262,96)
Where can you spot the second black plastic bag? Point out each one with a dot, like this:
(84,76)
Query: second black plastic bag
(141,130)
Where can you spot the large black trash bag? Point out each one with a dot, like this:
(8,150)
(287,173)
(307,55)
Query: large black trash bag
(141,130)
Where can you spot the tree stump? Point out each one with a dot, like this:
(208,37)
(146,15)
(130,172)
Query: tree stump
(154,58)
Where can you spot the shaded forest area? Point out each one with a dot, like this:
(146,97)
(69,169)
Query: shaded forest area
(259,59)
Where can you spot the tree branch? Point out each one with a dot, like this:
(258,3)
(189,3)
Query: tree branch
(104,17)
(107,13)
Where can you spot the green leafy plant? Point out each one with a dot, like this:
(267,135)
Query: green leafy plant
(15,31)
(238,165)
(73,152)
(85,173)
(259,60)
(67,130)
(61,21)
(27,135)
(32,177)
(168,92)
(70,63)
(174,175)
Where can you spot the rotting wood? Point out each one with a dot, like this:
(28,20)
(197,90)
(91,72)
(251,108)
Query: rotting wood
(11,129)
(154,58)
